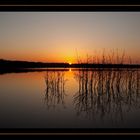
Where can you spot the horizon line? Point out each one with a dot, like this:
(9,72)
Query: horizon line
(77,63)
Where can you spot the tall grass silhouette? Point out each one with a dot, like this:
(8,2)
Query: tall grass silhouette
(107,92)
(55,88)
(103,91)
(107,57)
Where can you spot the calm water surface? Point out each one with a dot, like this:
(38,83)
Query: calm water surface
(70,99)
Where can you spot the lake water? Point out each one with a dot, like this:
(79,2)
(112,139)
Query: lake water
(71,98)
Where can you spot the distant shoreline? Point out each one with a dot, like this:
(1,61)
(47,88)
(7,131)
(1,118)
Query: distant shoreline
(18,65)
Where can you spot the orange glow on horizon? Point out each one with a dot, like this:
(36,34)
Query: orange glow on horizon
(67,37)
(67,56)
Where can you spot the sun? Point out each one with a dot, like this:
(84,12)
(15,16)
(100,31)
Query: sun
(70,63)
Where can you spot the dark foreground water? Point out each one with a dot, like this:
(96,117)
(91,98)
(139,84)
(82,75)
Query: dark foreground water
(85,98)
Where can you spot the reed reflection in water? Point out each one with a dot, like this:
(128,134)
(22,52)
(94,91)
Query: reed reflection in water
(55,88)
(110,93)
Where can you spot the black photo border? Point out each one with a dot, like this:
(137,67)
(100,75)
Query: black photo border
(68,7)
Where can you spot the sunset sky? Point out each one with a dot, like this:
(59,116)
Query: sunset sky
(59,36)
